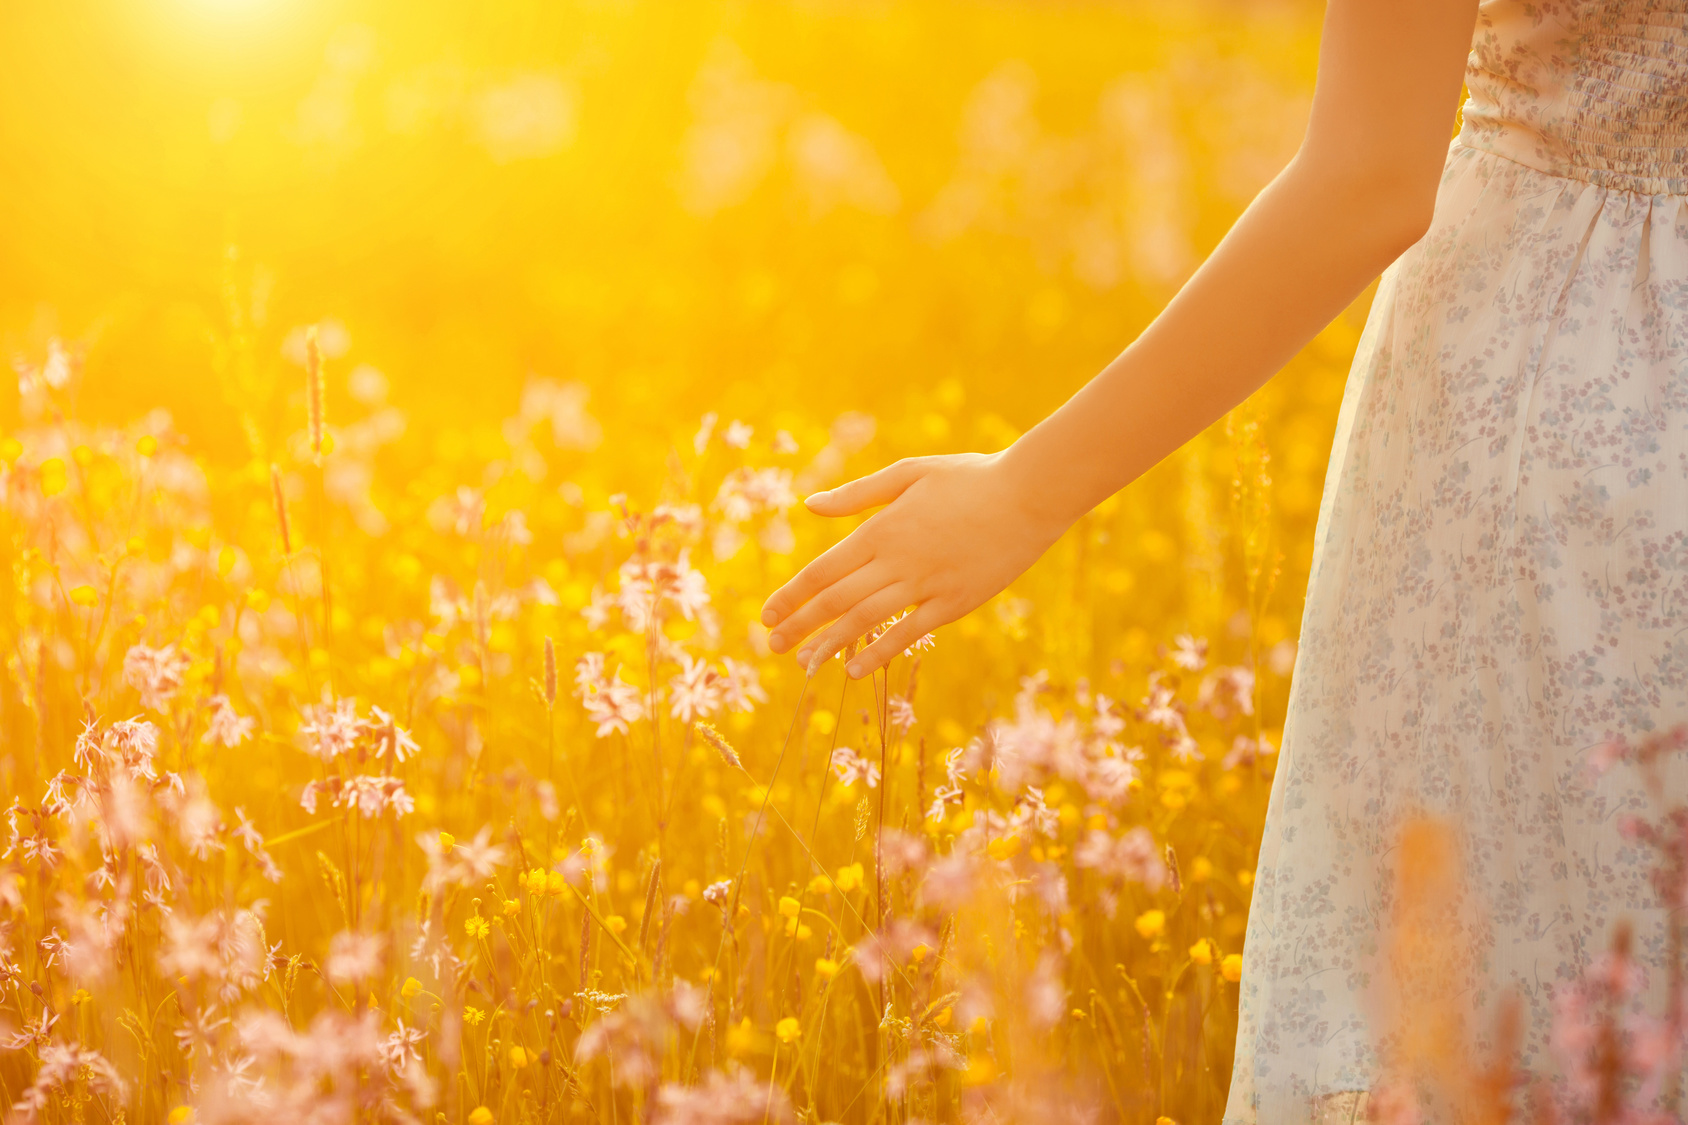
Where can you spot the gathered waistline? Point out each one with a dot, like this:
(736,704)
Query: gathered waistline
(1525,146)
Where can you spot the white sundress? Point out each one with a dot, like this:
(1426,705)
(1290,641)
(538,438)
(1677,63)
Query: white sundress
(1500,578)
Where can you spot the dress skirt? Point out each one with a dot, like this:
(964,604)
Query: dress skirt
(1499,586)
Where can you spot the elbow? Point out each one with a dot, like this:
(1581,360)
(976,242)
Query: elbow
(1388,201)
(1401,222)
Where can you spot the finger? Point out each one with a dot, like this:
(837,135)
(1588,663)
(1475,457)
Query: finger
(894,640)
(831,603)
(840,559)
(858,621)
(870,491)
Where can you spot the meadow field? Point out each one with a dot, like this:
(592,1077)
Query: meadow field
(414,403)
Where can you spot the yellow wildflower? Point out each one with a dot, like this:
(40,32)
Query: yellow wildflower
(480,1115)
(789,907)
(743,1039)
(447,841)
(84,595)
(1151,924)
(1201,953)
(477,927)
(825,968)
(1004,847)
(787,1030)
(1232,968)
(473,1016)
(518,1058)
(616,924)
(850,878)
(53,477)
(411,987)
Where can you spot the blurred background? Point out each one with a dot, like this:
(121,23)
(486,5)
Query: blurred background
(737,206)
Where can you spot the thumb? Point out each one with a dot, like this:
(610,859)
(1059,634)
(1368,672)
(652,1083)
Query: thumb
(870,491)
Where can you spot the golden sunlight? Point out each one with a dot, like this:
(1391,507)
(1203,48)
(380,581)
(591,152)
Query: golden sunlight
(449,671)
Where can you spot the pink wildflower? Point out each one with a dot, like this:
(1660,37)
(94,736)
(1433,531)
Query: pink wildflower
(736,1097)
(390,738)
(852,767)
(616,707)
(902,714)
(737,435)
(696,692)
(353,957)
(741,690)
(332,729)
(227,727)
(62,1068)
(156,673)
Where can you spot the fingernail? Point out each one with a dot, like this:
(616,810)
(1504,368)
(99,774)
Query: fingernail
(817,496)
(775,641)
(769,617)
(855,671)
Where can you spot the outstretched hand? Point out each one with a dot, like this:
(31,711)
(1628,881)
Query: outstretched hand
(955,530)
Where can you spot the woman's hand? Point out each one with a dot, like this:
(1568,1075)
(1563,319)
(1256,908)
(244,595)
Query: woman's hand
(955,531)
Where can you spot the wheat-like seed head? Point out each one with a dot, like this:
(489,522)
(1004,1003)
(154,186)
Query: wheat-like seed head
(280,510)
(550,673)
(712,736)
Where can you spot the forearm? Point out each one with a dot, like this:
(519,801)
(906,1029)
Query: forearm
(1306,247)
(954,531)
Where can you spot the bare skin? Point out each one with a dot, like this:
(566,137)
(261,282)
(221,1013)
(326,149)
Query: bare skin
(953,531)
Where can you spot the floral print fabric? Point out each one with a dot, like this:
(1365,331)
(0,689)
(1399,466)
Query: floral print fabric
(1500,579)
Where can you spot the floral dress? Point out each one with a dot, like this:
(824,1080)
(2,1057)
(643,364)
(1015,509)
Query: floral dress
(1500,579)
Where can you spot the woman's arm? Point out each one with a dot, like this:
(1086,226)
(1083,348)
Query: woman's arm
(957,529)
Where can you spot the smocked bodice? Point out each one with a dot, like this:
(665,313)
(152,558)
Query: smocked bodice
(1596,90)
